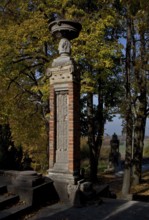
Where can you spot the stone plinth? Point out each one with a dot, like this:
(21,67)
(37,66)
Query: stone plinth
(32,187)
(28,179)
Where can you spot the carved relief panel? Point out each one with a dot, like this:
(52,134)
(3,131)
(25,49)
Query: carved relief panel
(62,126)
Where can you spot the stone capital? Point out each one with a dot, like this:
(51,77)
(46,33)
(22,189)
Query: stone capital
(62,74)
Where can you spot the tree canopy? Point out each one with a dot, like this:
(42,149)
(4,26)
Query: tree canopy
(27,49)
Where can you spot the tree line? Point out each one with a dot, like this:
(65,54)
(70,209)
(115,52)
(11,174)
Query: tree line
(112,53)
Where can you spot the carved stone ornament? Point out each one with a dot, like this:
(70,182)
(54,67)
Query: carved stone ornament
(64,47)
(65,30)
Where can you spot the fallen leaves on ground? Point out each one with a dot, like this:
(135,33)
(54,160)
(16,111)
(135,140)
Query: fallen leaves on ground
(115,184)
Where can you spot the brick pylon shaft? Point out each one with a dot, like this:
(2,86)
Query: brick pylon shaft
(64,132)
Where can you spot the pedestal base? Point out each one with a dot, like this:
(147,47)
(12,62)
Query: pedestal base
(65,184)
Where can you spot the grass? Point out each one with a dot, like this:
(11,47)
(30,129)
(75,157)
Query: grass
(146,148)
(102,165)
(103,160)
(104,154)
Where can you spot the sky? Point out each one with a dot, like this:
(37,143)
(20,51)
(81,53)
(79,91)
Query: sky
(115,127)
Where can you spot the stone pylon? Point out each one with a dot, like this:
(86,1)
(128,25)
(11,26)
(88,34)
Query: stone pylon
(64,132)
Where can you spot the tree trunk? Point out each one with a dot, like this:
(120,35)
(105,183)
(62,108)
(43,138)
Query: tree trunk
(100,121)
(95,131)
(91,138)
(128,116)
(140,119)
(128,155)
(139,133)
(138,150)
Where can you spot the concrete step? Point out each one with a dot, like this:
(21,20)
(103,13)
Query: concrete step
(15,212)
(3,189)
(7,200)
(23,195)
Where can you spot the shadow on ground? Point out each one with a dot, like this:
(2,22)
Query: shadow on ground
(110,209)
